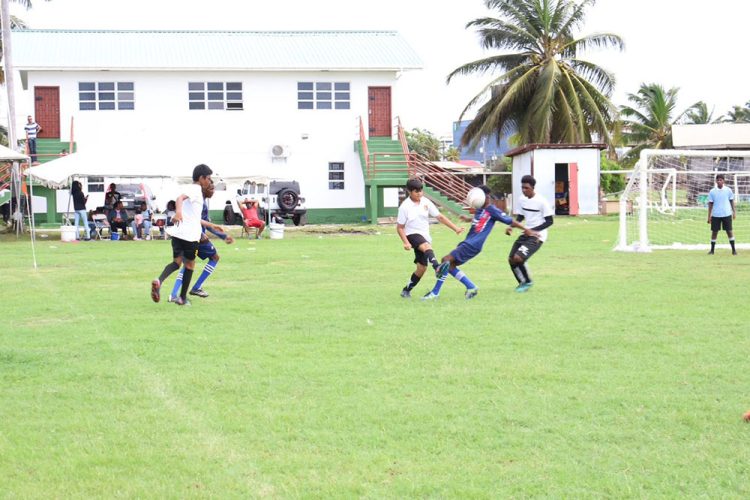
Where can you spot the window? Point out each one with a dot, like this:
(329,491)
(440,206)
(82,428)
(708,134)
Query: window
(336,175)
(96,184)
(215,95)
(323,95)
(106,96)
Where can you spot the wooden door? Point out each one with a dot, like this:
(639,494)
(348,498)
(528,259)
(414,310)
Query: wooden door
(573,205)
(379,111)
(47,111)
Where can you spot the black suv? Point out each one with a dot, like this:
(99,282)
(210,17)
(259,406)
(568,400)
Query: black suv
(132,195)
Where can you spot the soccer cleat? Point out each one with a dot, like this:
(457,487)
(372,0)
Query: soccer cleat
(471,293)
(430,296)
(406,293)
(710,252)
(199,293)
(442,269)
(523,287)
(734,252)
(172,298)
(155,286)
(182,302)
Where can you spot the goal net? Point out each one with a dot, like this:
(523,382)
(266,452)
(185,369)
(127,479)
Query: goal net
(665,203)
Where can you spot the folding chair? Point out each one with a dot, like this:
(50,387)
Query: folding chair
(100,226)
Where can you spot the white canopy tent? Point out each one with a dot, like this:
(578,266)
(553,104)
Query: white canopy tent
(7,154)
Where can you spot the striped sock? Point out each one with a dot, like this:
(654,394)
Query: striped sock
(438,285)
(178,283)
(207,271)
(517,274)
(412,282)
(460,276)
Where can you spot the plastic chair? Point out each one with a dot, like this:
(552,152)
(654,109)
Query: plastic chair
(100,226)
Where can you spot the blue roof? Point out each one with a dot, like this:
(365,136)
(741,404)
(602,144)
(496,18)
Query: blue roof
(212,50)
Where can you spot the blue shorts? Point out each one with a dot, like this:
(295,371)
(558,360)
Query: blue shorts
(206,250)
(464,253)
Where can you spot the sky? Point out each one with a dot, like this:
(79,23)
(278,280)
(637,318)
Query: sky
(694,45)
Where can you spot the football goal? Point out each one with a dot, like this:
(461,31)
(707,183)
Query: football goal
(665,202)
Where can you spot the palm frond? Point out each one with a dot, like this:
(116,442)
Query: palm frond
(504,62)
(603,79)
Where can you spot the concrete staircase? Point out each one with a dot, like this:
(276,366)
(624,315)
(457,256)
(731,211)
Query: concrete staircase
(49,149)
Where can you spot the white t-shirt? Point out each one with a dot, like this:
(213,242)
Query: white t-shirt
(415,217)
(534,210)
(190,227)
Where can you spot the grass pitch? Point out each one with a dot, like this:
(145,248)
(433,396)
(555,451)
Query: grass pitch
(304,374)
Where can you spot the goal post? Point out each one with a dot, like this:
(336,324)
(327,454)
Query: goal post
(665,202)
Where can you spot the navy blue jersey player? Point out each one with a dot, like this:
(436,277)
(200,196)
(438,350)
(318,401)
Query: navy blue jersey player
(481,225)
(206,249)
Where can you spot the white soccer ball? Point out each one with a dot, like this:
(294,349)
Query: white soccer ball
(476,198)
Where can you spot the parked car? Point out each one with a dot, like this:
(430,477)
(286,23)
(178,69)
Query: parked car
(132,195)
(277,199)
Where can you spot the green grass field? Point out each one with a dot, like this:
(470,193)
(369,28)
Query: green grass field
(304,374)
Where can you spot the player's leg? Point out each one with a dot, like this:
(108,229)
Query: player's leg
(514,260)
(414,279)
(457,257)
(205,251)
(715,228)
(471,288)
(730,233)
(527,246)
(168,269)
(429,254)
(189,254)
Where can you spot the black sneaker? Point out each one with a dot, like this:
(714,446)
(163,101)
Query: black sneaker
(182,302)
(199,293)
(155,287)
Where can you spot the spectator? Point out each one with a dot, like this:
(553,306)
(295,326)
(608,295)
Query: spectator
(79,205)
(32,128)
(64,152)
(141,224)
(111,197)
(251,219)
(118,219)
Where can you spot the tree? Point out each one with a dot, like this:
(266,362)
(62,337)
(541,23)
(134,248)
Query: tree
(648,121)
(452,154)
(698,114)
(424,143)
(738,114)
(15,23)
(544,92)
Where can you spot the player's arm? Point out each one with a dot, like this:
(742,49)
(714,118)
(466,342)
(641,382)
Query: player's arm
(447,222)
(178,207)
(509,229)
(402,235)
(710,208)
(548,221)
(218,231)
(734,212)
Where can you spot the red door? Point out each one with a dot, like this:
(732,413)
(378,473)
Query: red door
(47,111)
(573,189)
(379,111)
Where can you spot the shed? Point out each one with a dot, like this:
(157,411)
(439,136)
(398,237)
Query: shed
(566,173)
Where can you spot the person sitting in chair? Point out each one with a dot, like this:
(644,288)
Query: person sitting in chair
(118,219)
(141,224)
(251,219)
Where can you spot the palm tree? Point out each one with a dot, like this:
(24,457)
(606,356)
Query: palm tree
(698,114)
(648,122)
(739,114)
(544,92)
(15,23)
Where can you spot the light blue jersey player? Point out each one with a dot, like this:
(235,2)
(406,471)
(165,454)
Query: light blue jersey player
(481,225)
(206,250)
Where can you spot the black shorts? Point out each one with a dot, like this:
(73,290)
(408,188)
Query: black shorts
(525,247)
(187,249)
(719,223)
(415,240)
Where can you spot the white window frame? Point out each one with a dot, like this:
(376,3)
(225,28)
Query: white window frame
(106,96)
(324,95)
(335,184)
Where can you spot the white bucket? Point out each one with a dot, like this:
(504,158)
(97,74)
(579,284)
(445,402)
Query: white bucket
(277,231)
(67,233)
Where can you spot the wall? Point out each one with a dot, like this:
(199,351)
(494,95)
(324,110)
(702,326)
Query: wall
(544,172)
(162,120)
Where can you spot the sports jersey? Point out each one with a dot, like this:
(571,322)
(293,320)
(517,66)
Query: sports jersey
(190,227)
(534,211)
(721,198)
(482,224)
(415,217)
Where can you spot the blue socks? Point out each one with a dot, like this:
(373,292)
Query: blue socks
(207,271)
(460,276)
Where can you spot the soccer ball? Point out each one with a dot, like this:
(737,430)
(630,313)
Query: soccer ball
(476,198)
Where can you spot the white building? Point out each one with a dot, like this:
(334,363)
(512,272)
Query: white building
(566,174)
(281,104)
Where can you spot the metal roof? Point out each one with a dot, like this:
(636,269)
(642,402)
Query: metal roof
(532,147)
(711,136)
(212,50)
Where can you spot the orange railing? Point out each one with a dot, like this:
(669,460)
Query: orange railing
(365,150)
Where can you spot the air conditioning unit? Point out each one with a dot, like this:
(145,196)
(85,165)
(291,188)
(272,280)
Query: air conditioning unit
(279,151)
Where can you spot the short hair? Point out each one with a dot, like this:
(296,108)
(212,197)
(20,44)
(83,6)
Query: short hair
(414,185)
(528,179)
(201,171)
(720,176)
